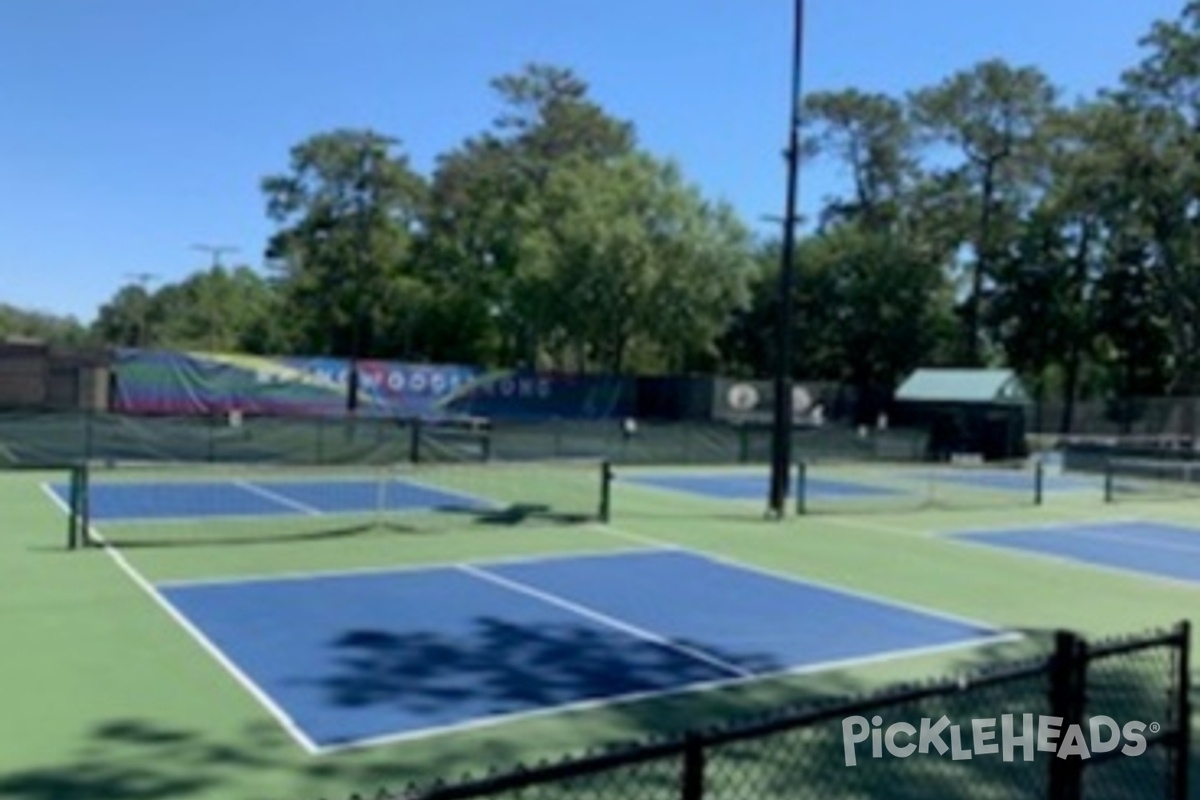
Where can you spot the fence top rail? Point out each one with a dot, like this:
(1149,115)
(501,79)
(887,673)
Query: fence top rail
(1179,637)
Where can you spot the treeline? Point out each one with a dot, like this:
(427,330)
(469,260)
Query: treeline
(986,220)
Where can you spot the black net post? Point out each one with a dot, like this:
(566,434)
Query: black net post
(1039,482)
(80,506)
(1068,667)
(606,481)
(73,510)
(801,487)
(1183,747)
(693,768)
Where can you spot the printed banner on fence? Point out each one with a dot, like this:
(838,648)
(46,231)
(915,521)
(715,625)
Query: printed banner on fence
(184,383)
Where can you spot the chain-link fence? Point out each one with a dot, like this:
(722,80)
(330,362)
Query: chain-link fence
(1085,722)
(48,438)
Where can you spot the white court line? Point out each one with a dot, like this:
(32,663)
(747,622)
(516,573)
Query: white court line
(684,690)
(401,569)
(55,498)
(604,619)
(1073,562)
(275,497)
(258,693)
(806,581)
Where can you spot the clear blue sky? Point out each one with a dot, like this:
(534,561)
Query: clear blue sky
(131,129)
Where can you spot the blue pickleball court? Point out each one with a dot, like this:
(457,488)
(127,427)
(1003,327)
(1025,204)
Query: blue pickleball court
(1153,549)
(357,659)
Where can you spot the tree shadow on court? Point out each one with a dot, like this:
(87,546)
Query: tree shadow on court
(134,760)
(503,667)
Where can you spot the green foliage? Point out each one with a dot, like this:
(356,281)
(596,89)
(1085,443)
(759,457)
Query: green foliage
(348,209)
(20,323)
(981,221)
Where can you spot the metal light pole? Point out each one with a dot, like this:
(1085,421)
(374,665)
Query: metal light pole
(781,440)
(142,279)
(215,251)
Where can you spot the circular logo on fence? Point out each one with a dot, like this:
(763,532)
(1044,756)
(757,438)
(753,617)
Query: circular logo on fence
(743,397)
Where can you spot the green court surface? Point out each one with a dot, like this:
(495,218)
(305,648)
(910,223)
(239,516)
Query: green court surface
(105,695)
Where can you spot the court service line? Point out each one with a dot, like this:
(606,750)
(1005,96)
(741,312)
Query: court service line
(604,619)
(278,498)
(257,692)
(819,584)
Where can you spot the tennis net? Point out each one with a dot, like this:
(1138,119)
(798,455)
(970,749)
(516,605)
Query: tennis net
(1136,479)
(165,504)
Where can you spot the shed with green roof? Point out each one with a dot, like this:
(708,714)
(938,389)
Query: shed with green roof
(966,411)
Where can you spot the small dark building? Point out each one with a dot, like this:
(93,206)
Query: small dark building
(966,411)
(42,377)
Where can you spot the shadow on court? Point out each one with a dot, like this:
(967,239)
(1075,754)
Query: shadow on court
(505,667)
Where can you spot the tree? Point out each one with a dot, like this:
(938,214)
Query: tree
(348,210)
(633,257)
(23,323)
(559,244)
(126,319)
(1162,94)
(870,135)
(992,114)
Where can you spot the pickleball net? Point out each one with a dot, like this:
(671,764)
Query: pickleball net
(1137,479)
(178,504)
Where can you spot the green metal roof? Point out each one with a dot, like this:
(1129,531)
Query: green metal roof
(962,386)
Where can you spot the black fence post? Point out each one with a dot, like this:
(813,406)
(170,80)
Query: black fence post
(1068,670)
(1108,482)
(1183,747)
(692,787)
